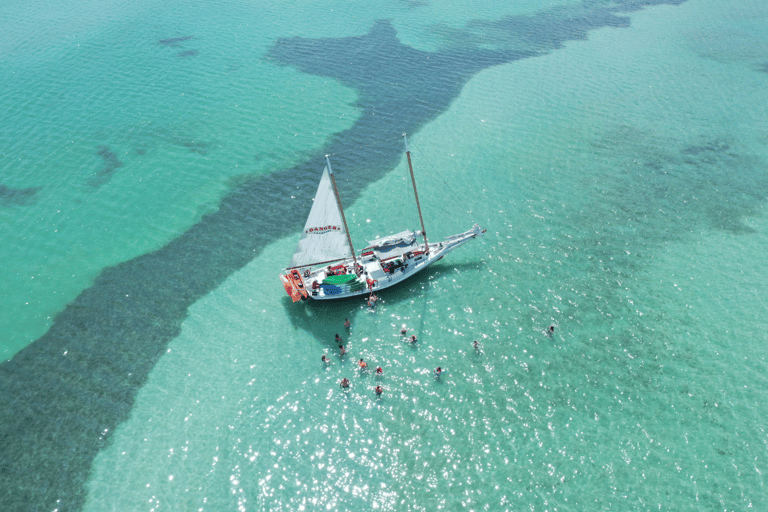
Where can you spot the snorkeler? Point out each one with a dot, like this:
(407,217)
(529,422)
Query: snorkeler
(438,371)
(344,384)
(414,339)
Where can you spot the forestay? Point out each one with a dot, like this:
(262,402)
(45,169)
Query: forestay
(324,238)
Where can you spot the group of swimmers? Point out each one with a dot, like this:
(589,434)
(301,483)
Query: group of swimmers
(344,384)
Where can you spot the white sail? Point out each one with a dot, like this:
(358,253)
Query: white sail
(324,238)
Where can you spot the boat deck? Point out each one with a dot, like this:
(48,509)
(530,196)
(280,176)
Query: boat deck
(377,273)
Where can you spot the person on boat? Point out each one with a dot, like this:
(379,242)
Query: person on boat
(379,390)
(379,371)
(344,384)
(414,339)
(338,340)
(438,371)
(326,360)
(362,364)
(342,350)
(347,323)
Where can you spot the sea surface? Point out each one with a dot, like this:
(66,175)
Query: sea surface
(157,163)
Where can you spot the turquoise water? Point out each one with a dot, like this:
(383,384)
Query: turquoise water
(158,161)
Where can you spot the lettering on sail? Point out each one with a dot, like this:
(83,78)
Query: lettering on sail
(322,230)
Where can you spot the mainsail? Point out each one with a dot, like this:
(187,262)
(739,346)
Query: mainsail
(324,238)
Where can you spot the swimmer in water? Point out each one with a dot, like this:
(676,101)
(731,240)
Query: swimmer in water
(347,323)
(342,350)
(438,371)
(338,340)
(379,390)
(379,371)
(344,384)
(326,360)
(414,339)
(404,330)
(551,331)
(477,345)
(362,364)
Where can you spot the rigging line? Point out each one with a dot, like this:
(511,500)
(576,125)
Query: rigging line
(368,145)
(446,189)
(402,191)
(353,148)
(427,163)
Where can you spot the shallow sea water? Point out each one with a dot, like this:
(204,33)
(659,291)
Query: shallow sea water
(622,180)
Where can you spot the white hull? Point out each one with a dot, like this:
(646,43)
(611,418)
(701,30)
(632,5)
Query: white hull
(373,269)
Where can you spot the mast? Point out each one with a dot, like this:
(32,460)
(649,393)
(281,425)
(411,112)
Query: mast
(413,180)
(341,210)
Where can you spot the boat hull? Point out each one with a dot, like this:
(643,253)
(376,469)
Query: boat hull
(375,273)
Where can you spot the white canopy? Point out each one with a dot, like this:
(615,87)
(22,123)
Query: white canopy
(394,245)
(405,237)
(324,238)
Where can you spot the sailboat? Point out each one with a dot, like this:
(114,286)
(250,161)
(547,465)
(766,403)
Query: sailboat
(325,265)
